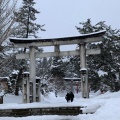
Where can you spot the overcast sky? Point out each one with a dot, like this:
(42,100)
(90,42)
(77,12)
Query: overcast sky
(61,16)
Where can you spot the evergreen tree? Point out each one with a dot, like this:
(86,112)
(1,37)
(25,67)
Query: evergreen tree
(43,68)
(72,67)
(109,59)
(25,19)
(43,71)
(13,80)
(25,28)
(57,71)
(75,61)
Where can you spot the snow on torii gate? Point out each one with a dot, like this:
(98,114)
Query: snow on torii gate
(81,40)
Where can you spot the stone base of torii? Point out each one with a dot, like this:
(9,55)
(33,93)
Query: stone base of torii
(28,89)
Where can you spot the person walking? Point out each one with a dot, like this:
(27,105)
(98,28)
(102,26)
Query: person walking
(71,96)
(67,97)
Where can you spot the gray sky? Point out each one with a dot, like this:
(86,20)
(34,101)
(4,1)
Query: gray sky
(61,16)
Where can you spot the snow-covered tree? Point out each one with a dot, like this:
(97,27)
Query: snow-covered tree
(13,80)
(57,67)
(57,71)
(26,26)
(109,59)
(71,66)
(43,71)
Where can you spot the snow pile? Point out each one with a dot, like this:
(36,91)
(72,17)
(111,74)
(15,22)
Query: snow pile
(91,109)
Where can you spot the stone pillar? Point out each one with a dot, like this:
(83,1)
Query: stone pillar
(26,88)
(38,97)
(87,86)
(57,49)
(84,78)
(33,72)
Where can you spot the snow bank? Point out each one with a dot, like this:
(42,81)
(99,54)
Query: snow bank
(91,109)
(106,107)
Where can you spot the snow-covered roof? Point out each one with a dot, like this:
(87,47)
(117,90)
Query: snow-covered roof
(3,79)
(30,40)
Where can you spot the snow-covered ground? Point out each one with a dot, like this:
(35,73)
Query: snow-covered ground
(106,106)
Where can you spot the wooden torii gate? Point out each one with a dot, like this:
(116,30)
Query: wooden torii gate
(32,43)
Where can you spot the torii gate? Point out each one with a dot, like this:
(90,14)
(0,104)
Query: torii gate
(81,40)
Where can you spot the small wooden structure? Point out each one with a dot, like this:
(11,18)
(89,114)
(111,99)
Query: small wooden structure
(4,83)
(73,84)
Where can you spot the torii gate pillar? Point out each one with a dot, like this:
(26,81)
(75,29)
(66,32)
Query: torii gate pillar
(33,72)
(84,76)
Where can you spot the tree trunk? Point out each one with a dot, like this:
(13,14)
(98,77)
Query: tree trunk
(17,91)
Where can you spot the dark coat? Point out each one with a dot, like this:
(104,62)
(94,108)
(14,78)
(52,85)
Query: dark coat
(69,96)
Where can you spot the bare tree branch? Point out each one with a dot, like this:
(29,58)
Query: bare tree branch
(7,20)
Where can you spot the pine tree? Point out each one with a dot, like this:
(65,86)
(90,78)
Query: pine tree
(72,67)
(43,67)
(26,20)
(57,71)
(26,27)
(43,71)
(109,59)
(75,61)
(68,67)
